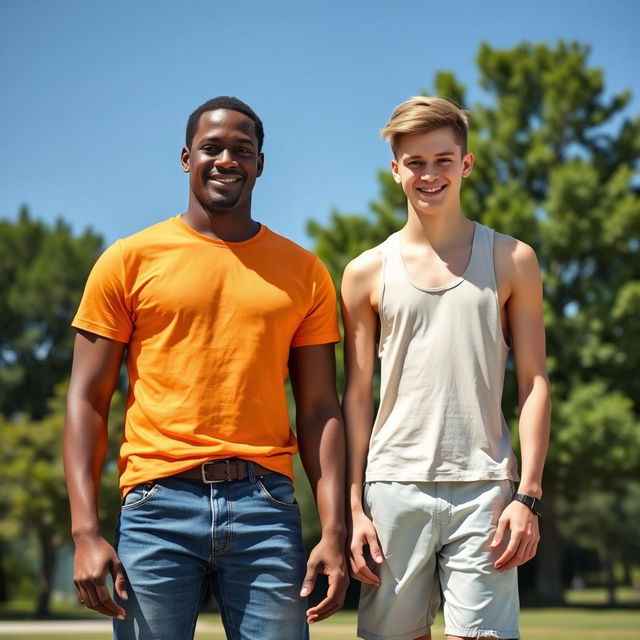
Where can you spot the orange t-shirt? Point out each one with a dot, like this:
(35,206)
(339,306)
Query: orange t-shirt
(209,325)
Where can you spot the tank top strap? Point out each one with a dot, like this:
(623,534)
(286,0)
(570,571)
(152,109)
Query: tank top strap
(391,263)
(481,262)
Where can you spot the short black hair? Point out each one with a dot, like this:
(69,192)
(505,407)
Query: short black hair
(223,102)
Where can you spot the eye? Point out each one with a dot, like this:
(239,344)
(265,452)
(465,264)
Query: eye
(445,160)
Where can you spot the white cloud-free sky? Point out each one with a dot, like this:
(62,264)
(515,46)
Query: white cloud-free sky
(95,95)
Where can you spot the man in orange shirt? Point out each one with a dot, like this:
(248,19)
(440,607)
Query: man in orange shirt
(214,311)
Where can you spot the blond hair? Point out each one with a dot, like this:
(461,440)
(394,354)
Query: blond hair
(422,114)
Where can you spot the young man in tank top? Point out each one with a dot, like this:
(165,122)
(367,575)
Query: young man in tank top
(431,483)
(211,311)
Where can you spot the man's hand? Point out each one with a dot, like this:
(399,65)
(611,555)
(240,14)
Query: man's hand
(326,558)
(94,558)
(522,524)
(363,534)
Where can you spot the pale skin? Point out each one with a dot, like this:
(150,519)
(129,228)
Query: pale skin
(436,248)
(224,145)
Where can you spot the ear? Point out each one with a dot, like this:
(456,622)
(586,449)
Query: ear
(184,159)
(394,172)
(260,164)
(467,165)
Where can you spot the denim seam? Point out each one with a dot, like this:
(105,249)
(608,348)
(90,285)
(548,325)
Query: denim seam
(265,492)
(230,627)
(145,498)
(212,533)
(227,544)
(196,608)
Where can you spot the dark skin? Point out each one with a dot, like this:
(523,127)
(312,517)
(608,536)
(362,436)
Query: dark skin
(224,163)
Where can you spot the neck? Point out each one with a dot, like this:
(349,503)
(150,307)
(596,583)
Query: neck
(231,225)
(437,230)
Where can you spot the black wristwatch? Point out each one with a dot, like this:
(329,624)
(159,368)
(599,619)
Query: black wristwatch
(533,503)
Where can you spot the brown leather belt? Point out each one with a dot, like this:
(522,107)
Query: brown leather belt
(226,470)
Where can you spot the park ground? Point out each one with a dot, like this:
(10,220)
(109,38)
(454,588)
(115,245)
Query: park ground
(549,624)
(585,618)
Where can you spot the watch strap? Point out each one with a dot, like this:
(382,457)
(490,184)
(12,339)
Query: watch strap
(533,503)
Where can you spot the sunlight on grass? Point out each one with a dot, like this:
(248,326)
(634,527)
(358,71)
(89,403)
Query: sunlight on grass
(569,623)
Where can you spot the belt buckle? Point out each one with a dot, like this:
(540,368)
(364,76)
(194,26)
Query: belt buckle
(227,470)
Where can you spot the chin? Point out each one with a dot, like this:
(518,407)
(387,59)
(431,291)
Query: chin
(223,205)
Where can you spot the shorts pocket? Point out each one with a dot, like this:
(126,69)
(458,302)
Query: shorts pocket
(139,495)
(507,487)
(278,489)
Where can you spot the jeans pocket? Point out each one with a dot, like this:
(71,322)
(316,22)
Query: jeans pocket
(139,495)
(278,489)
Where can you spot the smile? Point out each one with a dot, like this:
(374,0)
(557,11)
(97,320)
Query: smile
(432,190)
(226,179)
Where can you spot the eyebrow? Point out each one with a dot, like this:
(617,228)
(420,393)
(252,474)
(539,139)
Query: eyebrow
(442,153)
(240,140)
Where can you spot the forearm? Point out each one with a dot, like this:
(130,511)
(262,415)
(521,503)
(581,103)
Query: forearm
(322,451)
(358,415)
(96,364)
(85,446)
(534,435)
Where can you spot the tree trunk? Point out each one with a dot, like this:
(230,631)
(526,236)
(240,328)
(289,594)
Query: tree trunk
(3,581)
(548,581)
(48,550)
(610,578)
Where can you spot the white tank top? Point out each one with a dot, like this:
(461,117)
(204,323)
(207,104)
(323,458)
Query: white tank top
(443,357)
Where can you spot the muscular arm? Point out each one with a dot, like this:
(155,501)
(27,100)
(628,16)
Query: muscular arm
(360,330)
(321,440)
(524,312)
(96,364)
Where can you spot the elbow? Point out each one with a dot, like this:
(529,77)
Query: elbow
(538,387)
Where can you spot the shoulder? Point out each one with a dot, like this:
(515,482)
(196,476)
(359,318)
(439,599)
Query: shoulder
(365,267)
(516,265)
(161,231)
(285,244)
(361,280)
(513,255)
(288,250)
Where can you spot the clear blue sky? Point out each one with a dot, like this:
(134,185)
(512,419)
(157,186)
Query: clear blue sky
(95,94)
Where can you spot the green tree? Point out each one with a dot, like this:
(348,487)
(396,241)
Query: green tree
(33,492)
(600,511)
(556,166)
(42,274)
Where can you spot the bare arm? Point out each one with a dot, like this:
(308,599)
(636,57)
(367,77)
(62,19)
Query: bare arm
(96,364)
(524,311)
(321,440)
(360,330)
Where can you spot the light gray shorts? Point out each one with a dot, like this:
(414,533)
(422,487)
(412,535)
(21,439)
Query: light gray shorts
(435,537)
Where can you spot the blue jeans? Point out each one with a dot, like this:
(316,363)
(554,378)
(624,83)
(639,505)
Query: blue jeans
(178,537)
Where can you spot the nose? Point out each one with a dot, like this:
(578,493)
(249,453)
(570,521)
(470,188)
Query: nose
(225,158)
(429,174)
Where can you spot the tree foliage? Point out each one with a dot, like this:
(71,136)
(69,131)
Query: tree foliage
(556,166)
(33,495)
(42,274)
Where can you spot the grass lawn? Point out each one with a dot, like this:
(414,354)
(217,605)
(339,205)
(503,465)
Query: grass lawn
(568,623)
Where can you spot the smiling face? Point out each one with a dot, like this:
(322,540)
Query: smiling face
(223,162)
(430,167)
